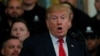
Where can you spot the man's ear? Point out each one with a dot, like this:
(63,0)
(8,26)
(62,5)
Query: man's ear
(2,51)
(71,15)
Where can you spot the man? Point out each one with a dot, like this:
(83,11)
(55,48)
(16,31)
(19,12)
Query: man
(58,21)
(13,11)
(80,19)
(92,41)
(11,47)
(35,16)
(96,18)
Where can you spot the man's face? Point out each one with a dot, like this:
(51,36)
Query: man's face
(20,30)
(14,9)
(59,22)
(29,2)
(92,43)
(12,48)
(97,5)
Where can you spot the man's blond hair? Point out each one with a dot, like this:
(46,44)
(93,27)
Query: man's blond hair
(58,7)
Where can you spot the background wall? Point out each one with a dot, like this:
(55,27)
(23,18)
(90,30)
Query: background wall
(91,8)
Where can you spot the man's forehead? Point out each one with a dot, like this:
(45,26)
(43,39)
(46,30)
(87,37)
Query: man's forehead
(13,41)
(14,2)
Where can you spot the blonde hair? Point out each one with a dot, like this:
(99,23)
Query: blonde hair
(58,7)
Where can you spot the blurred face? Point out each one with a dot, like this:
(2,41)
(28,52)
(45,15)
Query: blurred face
(92,43)
(29,2)
(12,48)
(14,9)
(97,5)
(20,30)
(59,22)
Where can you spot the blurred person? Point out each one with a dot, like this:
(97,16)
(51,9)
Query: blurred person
(96,18)
(13,11)
(80,19)
(56,41)
(35,16)
(20,29)
(92,41)
(11,47)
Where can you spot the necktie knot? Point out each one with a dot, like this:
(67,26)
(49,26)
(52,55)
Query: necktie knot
(60,40)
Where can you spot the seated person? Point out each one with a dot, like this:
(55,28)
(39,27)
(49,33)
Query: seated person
(11,47)
(20,29)
(92,41)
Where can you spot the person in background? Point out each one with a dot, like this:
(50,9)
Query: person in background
(56,42)
(35,16)
(80,19)
(92,41)
(13,11)
(11,46)
(96,18)
(20,29)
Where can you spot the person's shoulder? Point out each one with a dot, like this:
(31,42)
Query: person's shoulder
(76,37)
(37,37)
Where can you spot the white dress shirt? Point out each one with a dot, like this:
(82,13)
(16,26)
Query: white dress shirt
(56,44)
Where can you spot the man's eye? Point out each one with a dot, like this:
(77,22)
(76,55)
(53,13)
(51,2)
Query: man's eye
(11,47)
(62,17)
(54,17)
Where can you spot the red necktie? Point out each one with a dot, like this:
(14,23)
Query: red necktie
(61,49)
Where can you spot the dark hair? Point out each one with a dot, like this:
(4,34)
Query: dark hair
(6,39)
(91,32)
(22,21)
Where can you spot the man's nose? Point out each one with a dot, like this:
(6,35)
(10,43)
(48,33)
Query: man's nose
(59,22)
(18,32)
(16,50)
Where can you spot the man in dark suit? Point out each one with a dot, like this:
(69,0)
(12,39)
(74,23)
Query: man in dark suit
(34,16)
(56,42)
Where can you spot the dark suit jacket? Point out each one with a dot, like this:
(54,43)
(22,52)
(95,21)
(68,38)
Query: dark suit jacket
(42,45)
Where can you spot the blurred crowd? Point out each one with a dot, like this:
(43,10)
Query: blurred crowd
(20,20)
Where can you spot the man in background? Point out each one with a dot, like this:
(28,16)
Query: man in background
(92,41)
(11,46)
(96,18)
(13,11)
(35,16)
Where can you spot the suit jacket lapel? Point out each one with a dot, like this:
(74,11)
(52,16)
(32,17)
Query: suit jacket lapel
(71,47)
(49,46)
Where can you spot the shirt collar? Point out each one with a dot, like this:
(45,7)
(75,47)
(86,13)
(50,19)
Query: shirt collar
(55,39)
